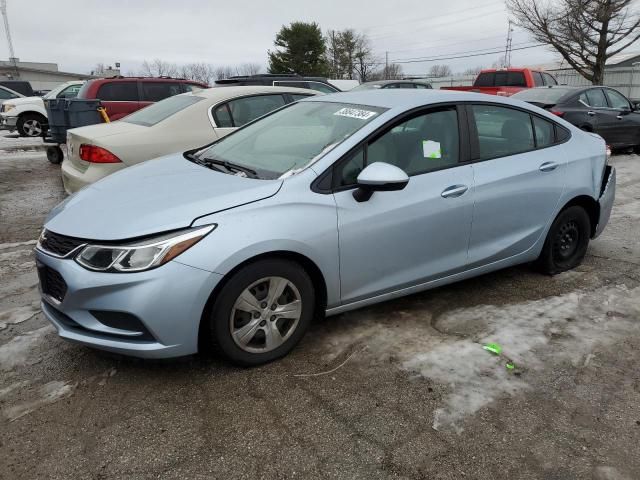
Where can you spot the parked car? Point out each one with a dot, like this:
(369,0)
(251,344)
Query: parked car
(175,124)
(28,116)
(393,84)
(319,84)
(506,81)
(323,206)
(8,94)
(601,110)
(121,96)
(21,86)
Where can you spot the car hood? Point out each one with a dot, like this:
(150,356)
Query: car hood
(155,196)
(26,101)
(102,130)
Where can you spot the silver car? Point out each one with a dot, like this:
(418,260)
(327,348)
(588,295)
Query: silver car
(323,206)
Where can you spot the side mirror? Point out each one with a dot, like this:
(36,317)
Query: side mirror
(636,106)
(378,177)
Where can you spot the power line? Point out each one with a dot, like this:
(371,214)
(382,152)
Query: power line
(431,17)
(465,56)
(456,53)
(456,21)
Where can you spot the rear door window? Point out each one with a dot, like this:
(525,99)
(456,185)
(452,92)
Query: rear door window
(502,131)
(485,80)
(118,92)
(156,91)
(516,79)
(594,98)
(241,111)
(545,134)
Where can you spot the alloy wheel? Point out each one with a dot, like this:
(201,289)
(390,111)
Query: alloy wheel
(265,314)
(32,128)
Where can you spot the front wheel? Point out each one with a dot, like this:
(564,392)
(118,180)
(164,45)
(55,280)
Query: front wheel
(262,312)
(31,125)
(567,241)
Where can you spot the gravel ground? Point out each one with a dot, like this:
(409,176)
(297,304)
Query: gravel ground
(410,394)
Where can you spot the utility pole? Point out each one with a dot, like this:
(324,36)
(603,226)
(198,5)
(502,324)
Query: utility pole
(386,65)
(12,55)
(507,50)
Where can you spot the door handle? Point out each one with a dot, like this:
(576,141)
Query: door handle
(591,113)
(454,191)
(619,117)
(548,166)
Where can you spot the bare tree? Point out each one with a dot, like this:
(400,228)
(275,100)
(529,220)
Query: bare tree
(364,60)
(248,69)
(200,72)
(222,72)
(159,68)
(585,32)
(473,70)
(440,71)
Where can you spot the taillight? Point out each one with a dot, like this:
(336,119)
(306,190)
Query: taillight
(558,113)
(608,153)
(93,154)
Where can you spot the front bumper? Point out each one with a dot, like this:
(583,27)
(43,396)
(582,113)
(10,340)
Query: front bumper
(607,197)
(8,122)
(168,301)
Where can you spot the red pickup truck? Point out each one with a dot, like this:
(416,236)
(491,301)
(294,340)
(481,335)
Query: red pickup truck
(506,81)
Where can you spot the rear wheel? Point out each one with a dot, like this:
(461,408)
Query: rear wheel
(55,155)
(30,125)
(567,241)
(262,312)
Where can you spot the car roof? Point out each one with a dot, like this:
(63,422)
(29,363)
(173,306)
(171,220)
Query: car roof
(388,82)
(406,99)
(241,90)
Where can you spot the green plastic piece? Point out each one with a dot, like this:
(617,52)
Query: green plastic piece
(510,366)
(493,348)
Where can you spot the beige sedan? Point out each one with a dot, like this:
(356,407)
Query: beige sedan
(176,124)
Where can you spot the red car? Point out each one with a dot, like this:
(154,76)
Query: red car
(506,81)
(121,96)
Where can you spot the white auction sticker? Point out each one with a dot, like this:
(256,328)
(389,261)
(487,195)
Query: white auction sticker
(355,113)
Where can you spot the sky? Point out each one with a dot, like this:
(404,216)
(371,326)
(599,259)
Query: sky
(78,34)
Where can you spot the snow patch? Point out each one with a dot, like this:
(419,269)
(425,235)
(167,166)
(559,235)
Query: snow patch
(49,393)
(17,351)
(4,246)
(18,315)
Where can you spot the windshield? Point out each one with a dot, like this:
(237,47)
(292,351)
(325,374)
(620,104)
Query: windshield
(544,95)
(290,138)
(54,93)
(161,110)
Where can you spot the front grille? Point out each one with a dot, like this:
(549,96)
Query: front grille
(51,282)
(57,244)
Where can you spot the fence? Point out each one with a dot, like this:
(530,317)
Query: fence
(625,79)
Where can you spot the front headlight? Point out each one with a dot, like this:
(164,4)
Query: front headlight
(7,106)
(141,255)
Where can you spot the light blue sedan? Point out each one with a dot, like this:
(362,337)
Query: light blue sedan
(323,206)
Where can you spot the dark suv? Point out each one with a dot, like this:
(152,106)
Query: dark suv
(318,84)
(121,96)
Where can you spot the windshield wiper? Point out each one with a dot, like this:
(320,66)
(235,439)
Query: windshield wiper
(228,166)
(231,166)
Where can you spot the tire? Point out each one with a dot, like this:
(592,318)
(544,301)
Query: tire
(567,241)
(241,323)
(55,155)
(31,125)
